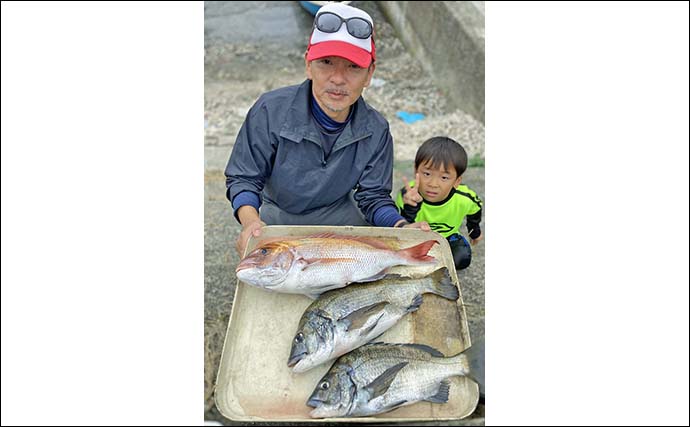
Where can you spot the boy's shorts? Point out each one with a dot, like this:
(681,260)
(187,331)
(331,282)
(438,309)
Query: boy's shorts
(462,252)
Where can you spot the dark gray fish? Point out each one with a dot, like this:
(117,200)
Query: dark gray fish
(344,319)
(377,378)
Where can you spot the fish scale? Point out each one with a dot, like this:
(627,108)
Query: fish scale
(422,373)
(391,291)
(314,265)
(419,379)
(359,262)
(344,319)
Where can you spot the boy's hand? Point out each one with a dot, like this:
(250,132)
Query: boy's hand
(411,196)
(251,229)
(475,241)
(421,225)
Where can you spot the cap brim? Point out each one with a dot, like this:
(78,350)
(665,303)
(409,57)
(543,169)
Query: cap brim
(341,49)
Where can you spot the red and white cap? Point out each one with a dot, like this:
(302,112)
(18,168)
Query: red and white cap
(342,43)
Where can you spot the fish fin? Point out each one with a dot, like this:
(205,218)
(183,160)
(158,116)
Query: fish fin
(371,241)
(443,285)
(395,405)
(375,277)
(316,291)
(418,253)
(382,275)
(395,276)
(373,325)
(432,351)
(416,302)
(378,336)
(441,395)
(305,263)
(380,385)
(358,318)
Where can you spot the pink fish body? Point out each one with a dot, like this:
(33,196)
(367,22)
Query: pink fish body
(316,264)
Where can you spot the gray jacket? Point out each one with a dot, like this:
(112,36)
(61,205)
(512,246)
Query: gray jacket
(278,154)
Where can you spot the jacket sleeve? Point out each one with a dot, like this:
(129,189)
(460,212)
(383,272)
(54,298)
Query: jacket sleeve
(251,161)
(375,184)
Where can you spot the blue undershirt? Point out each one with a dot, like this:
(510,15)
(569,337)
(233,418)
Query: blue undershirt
(327,123)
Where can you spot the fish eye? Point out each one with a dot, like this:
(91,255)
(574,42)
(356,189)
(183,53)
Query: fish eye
(299,338)
(324,385)
(264,251)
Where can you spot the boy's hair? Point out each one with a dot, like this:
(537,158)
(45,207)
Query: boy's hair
(441,150)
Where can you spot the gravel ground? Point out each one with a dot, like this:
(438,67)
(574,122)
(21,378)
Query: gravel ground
(253,47)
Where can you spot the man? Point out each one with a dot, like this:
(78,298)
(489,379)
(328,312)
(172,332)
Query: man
(316,153)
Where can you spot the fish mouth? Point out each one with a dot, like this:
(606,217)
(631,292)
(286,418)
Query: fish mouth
(314,402)
(296,358)
(246,264)
(321,411)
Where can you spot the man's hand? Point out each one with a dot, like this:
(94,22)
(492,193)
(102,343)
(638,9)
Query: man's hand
(475,241)
(411,196)
(251,229)
(251,226)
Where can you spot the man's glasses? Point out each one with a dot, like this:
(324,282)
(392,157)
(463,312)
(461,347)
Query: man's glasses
(329,22)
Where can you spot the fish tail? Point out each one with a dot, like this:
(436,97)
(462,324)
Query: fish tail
(418,254)
(443,285)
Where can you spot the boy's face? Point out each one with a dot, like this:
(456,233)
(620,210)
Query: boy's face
(435,184)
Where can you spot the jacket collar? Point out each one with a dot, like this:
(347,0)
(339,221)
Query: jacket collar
(299,125)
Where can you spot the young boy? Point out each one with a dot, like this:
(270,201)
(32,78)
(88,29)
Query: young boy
(437,197)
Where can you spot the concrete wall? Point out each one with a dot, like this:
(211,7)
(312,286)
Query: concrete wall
(448,38)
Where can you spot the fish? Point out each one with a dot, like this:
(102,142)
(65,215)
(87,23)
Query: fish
(344,319)
(380,377)
(316,264)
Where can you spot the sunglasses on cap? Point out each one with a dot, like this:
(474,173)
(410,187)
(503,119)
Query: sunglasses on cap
(329,22)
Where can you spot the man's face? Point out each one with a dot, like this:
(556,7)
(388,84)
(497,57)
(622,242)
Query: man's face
(337,84)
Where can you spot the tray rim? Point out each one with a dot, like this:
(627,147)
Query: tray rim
(227,353)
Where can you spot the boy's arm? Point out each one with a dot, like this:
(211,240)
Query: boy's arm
(473,228)
(474,218)
(408,212)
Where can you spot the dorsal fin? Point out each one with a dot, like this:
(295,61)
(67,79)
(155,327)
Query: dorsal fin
(432,351)
(371,241)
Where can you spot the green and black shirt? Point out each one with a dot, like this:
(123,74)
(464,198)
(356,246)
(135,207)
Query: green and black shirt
(445,217)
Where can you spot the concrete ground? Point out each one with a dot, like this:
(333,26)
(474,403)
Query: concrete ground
(253,47)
